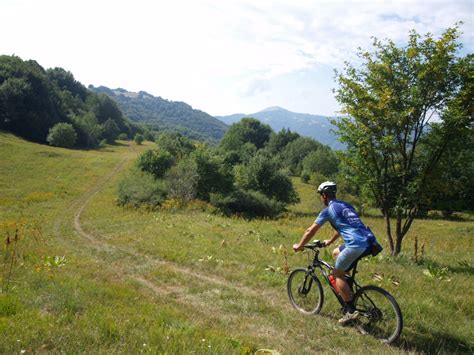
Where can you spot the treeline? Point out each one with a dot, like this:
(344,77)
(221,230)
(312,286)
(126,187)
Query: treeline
(51,106)
(247,174)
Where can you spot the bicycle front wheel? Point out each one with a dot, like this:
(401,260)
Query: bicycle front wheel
(305,291)
(380,315)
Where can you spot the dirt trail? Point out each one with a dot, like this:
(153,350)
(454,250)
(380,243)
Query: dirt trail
(99,243)
(180,293)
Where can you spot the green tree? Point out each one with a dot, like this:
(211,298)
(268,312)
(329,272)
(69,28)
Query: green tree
(212,174)
(247,130)
(139,138)
(110,130)
(294,152)
(261,174)
(390,101)
(62,135)
(280,140)
(323,161)
(175,143)
(155,162)
(88,129)
(29,103)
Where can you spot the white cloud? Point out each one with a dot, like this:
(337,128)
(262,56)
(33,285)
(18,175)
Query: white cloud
(220,56)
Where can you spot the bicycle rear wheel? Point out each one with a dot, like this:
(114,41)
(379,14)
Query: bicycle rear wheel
(380,315)
(305,291)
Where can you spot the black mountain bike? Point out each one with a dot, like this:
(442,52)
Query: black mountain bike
(379,313)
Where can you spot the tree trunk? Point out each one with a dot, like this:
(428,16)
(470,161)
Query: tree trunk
(399,234)
(388,230)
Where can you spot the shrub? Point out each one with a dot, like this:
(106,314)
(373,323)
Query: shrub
(140,188)
(62,135)
(123,136)
(261,174)
(213,176)
(248,204)
(155,162)
(181,181)
(139,138)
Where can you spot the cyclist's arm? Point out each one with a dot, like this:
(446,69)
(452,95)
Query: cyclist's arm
(306,236)
(334,237)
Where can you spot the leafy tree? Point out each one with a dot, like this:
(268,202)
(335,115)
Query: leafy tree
(65,81)
(155,162)
(294,152)
(323,161)
(29,104)
(261,174)
(178,145)
(212,175)
(88,129)
(62,135)
(280,140)
(139,138)
(110,130)
(390,102)
(247,130)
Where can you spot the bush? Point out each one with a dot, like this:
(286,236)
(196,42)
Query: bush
(123,136)
(249,204)
(213,176)
(140,188)
(155,162)
(261,174)
(139,138)
(62,135)
(181,181)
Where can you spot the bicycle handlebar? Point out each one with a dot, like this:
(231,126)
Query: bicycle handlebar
(316,244)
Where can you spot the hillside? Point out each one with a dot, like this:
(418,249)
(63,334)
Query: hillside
(314,126)
(83,273)
(165,115)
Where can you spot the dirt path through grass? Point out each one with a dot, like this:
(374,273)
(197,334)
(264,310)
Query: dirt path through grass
(180,293)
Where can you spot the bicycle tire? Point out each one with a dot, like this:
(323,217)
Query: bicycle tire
(305,291)
(380,315)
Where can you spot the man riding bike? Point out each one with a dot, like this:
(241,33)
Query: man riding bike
(358,241)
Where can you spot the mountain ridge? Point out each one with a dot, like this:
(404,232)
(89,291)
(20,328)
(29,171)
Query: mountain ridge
(165,115)
(317,127)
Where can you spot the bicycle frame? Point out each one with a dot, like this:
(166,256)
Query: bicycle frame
(326,269)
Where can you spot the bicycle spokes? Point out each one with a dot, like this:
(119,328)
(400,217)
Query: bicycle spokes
(380,315)
(304,289)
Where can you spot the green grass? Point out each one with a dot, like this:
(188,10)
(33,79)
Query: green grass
(190,281)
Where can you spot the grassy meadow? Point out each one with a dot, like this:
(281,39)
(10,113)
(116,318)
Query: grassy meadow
(80,274)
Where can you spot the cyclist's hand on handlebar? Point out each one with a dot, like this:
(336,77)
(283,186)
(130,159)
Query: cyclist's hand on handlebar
(326,242)
(298,247)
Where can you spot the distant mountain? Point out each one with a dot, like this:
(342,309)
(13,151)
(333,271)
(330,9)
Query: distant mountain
(314,126)
(165,115)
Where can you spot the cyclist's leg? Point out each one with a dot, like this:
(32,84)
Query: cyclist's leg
(345,259)
(337,251)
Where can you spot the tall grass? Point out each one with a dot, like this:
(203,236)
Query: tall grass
(180,280)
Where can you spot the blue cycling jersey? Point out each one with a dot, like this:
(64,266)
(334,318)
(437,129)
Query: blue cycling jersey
(346,221)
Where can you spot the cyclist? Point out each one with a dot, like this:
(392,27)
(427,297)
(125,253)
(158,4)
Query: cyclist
(358,240)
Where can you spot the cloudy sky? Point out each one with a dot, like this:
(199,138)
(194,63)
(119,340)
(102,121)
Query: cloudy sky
(220,56)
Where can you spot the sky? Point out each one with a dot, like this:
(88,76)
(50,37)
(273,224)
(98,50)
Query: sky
(219,56)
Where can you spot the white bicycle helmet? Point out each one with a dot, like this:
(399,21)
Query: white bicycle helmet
(327,187)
